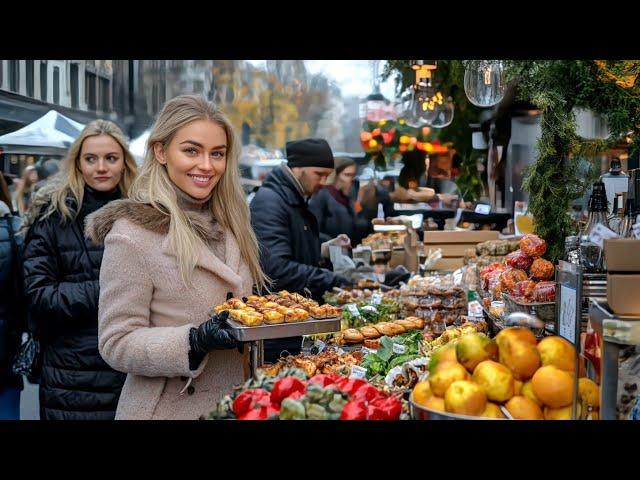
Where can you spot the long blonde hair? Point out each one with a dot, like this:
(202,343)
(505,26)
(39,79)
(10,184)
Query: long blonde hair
(228,204)
(70,180)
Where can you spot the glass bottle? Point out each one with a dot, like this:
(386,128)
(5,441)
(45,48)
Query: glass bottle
(591,255)
(572,250)
(629,219)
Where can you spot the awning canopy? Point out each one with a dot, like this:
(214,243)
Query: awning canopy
(51,134)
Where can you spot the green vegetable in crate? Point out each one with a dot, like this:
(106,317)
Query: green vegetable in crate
(292,410)
(402,359)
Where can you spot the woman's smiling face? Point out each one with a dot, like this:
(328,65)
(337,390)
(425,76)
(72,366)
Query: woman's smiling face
(196,157)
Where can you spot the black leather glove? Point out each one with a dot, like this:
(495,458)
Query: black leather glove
(214,334)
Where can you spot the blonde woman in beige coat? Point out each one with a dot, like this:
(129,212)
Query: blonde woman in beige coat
(173,250)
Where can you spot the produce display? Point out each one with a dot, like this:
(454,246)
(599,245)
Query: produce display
(511,277)
(480,377)
(283,307)
(366,313)
(327,361)
(392,352)
(293,395)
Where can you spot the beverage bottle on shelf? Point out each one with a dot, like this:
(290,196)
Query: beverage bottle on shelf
(615,218)
(591,255)
(572,250)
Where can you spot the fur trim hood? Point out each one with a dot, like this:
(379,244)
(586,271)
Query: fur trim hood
(99,223)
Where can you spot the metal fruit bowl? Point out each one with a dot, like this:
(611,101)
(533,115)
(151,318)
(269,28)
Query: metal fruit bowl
(419,412)
(546,311)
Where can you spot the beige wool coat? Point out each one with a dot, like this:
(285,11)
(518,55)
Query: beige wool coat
(146,312)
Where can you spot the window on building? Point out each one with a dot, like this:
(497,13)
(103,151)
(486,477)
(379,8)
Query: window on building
(75,88)
(30,78)
(56,85)
(90,90)
(43,80)
(14,75)
(105,104)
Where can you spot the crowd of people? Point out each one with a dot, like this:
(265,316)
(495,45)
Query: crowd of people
(113,269)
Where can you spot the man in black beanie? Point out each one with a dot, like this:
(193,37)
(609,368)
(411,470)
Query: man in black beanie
(290,250)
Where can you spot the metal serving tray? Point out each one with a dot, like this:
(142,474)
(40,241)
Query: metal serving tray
(310,326)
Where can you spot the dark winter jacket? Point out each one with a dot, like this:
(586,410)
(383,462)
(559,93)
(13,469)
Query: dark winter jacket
(62,271)
(336,217)
(289,239)
(12,312)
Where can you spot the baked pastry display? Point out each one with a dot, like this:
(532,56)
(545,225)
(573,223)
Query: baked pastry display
(283,307)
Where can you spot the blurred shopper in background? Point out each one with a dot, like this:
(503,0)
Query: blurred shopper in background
(12,305)
(25,189)
(335,211)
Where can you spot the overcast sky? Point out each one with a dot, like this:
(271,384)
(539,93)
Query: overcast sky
(354,77)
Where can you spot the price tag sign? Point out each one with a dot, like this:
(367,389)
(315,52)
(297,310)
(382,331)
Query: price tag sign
(366,350)
(483,209)
(600,233)
(636,230)
(457,277)
(567,321)
(320,345)
(353,310)
(358,372)
(376,299)
(474,309)
(399,348)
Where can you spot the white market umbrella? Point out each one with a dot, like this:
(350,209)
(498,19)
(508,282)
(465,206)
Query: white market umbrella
(51,134)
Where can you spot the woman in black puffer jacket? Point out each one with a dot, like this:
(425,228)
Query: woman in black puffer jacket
(12,311)
(62,271)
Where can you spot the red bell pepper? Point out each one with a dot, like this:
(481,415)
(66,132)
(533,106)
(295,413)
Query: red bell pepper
(384,409)
(354,410)
(366,393)
(325,379)
(261,413)
(350,385)
(249,399)
(284,387)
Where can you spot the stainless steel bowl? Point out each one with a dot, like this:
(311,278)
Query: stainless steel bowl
(418,412)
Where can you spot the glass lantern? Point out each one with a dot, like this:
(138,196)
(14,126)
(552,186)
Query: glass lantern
(484,83)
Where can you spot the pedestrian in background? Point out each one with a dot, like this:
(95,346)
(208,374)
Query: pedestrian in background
(335,211)
(12,305)
(173,251)
(25,189)
(62,268)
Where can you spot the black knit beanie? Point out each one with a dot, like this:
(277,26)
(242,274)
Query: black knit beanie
(310,152)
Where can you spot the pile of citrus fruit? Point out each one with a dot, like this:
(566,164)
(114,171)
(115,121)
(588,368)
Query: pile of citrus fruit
(532,380)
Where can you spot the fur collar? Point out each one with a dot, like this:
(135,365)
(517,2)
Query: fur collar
(99,223)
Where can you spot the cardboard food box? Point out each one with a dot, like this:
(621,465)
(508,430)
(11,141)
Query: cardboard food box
(451,249)
(449,263)
(623,293)
(408,255)
(622,255)
(462,236)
